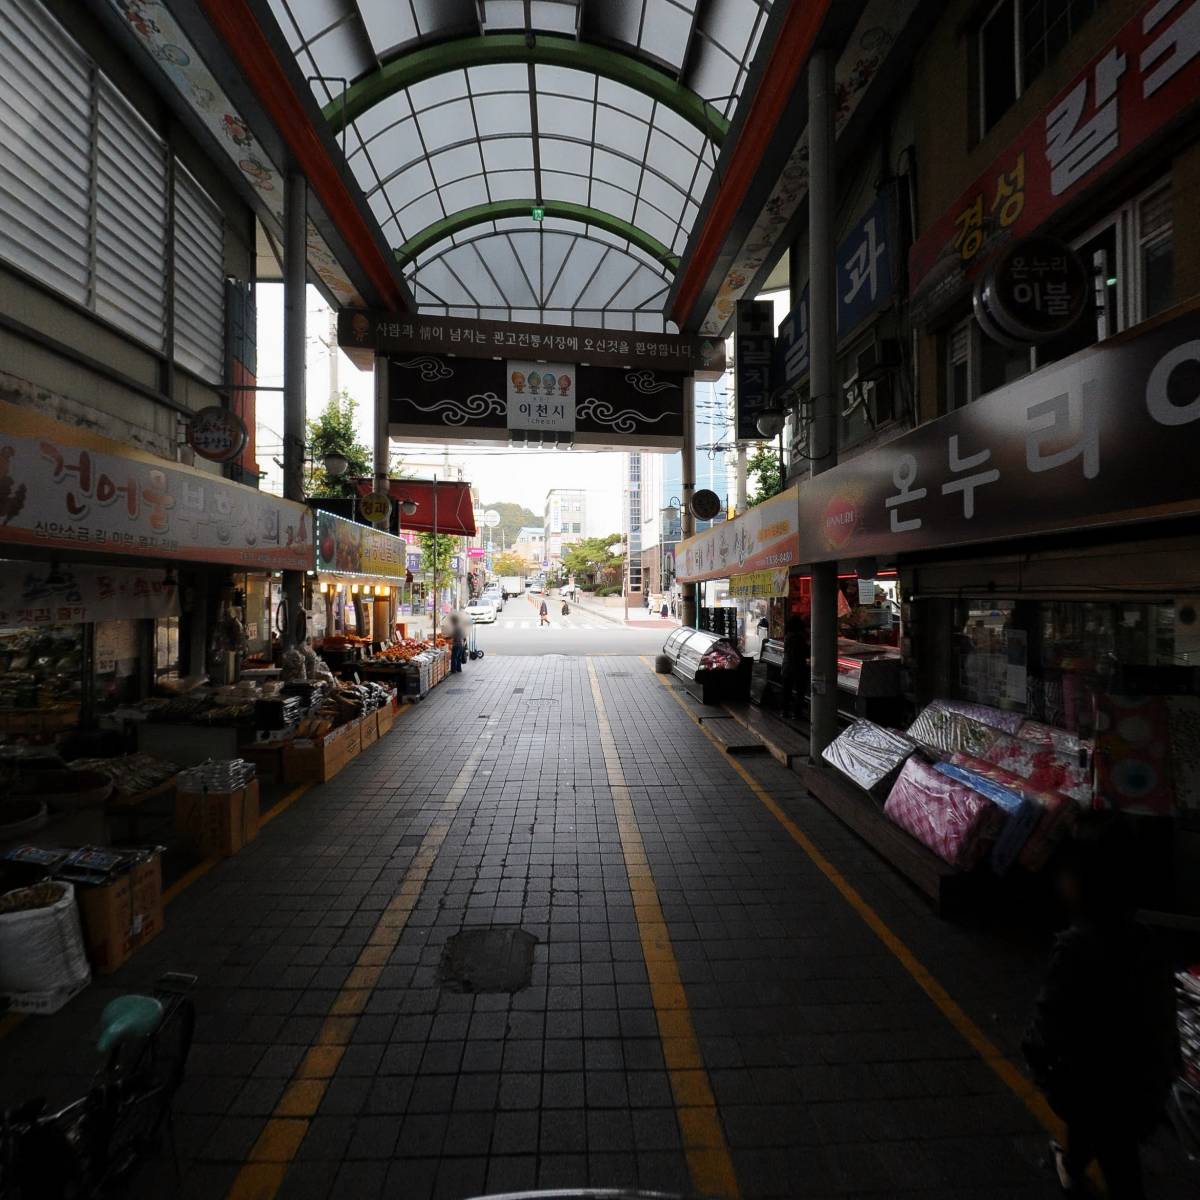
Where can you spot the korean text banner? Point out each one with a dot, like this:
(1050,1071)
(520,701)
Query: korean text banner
(767,536)
(60,594)
(1111,434)
(1146,76)
(348,548)
(760,585)
(69,489)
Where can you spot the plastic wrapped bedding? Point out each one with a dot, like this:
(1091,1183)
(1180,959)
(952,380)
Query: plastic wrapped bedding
(953,820)
(945,731)
(1133,754)
(985,714)
(869,755)
(1067,744)
(1041,766)
(1020,814)
(1058,813)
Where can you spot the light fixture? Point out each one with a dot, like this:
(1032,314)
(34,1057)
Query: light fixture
(408,507)
(770,423)
(538,213)
(341,587)
(354,589)
(324,588)
(336,464)
(383,591)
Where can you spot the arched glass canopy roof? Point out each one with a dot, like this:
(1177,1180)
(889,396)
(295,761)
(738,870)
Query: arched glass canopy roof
(456,124)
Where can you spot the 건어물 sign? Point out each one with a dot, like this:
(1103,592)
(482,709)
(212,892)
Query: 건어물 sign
(1146,76)
(67,488)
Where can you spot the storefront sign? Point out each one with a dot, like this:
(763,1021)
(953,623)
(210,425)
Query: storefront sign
(353,549)
(46,594)
(1144,78)
(66,488)
(413,562)
(435,397)
(541,395)
(1034,291)
(766,536)
(217,434)
(759,585)
(865,260)
(1107,436)
(753,350)
(405,336)
(375,507)
(476,552)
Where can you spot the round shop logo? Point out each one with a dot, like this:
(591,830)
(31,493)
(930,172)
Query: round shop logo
(840,520)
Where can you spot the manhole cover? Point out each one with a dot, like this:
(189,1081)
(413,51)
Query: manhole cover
(487,960)
(518,691)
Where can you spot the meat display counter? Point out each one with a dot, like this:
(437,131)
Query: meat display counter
(695,656)
(868,678)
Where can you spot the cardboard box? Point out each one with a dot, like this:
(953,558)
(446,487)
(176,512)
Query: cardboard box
(318,760)
(217,824)
(121,916)
(385,718)
(368,730)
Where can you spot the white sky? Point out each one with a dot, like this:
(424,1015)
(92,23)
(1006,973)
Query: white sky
(523,476)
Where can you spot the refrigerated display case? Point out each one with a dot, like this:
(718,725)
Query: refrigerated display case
(695,656)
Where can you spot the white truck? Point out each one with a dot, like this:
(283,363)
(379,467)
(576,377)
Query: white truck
(512,585)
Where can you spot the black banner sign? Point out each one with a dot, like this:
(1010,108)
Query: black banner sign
(1109,435)
(436,398)
(753,349)
(362,334)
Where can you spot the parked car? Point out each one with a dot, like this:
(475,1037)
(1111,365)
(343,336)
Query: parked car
(481,612)
(495,595)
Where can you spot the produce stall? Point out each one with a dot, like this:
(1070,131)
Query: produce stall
(413,665)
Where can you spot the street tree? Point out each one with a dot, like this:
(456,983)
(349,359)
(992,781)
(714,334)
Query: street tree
(763,468)
(333,433)
(437,549)
(509,563)
(591,561)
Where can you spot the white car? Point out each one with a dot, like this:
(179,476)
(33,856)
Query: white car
(482,612)
(493,596)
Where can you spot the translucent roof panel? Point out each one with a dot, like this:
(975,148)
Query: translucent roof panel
(446,161)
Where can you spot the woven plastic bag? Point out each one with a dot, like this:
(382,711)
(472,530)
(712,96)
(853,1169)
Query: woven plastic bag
(41,949)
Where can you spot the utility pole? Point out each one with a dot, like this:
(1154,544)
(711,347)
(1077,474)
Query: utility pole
(687,520)
(741,504)
(822,197)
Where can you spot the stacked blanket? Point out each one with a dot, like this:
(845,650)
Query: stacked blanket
(869,755)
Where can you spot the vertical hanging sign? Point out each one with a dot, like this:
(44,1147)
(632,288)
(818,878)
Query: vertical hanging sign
(753,347)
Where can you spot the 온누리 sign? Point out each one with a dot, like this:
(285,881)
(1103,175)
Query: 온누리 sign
(1065,447)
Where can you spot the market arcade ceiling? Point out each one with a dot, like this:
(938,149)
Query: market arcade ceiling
(459,117)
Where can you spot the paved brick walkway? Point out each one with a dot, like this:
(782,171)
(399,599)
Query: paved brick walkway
(329,1058)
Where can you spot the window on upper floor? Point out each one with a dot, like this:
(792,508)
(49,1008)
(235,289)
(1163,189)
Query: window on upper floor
(1015,41)
(868,395)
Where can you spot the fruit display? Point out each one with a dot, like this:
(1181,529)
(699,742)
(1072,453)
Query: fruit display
(401,651)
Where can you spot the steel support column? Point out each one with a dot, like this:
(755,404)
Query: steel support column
(687,520)
(295,304)
(382,445)
(822,202)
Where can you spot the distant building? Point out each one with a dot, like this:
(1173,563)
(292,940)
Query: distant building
(530,543)
(566,521)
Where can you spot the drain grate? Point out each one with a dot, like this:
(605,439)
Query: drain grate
(518,691)
(499,959)
(619,674)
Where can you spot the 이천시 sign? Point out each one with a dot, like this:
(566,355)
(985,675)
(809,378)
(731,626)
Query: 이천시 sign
(541,396)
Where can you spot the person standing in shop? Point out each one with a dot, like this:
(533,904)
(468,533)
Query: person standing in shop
(1104,1044)
(543,614)
(793,682)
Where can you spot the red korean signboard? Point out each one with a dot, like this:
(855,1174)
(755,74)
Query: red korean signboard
(1147,76)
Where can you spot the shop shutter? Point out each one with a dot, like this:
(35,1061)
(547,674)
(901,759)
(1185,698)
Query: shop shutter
(199,280)
(131,220)
(45,110)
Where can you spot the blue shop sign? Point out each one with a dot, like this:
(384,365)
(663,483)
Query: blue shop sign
(865,281)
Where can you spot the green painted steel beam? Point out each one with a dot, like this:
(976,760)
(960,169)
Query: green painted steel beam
(479,214)
(406,69)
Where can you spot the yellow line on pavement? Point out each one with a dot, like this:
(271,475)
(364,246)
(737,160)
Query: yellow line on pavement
(709,1162)
(283,805)
(991,1054)
(261,1176)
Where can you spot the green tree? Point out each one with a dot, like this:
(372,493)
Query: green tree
(437,549)
(763,468)
(333,433)
(512,517)
(509,563)
(591,561)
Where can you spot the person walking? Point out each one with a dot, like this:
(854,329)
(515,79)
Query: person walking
(566,609)
(663,611)
(793,681)
(1103,1045)
(458,644)
(543,614)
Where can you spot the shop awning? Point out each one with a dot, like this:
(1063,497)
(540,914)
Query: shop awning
(455,512)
